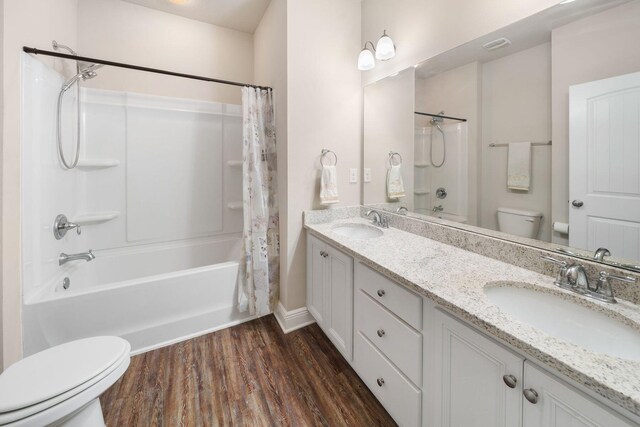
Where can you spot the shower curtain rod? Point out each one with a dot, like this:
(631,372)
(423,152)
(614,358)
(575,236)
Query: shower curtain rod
(137,67)
(441,116)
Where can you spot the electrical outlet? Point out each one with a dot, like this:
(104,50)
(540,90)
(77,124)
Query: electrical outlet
(367,174)
(353,175)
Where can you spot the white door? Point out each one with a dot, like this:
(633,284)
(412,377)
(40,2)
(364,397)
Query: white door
(604,165)
(558,405)
(315,278)
(339,306)
(478,383)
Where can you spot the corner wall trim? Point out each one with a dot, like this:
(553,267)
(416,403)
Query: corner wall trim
(291,320)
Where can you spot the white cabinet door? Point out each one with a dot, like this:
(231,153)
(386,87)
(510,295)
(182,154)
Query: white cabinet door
(339,301)
(468,374)
(330,293)
(315,278)
(559,405)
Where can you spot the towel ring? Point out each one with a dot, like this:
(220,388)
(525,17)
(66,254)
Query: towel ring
(326,152)
(392,155)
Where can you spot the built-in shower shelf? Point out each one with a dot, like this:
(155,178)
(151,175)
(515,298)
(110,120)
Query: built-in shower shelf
(95,217)
(420,192)
(235,163)
(422,165)
(98,163)
(235,206)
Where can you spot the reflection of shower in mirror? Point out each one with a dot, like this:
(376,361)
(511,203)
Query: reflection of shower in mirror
(451,174)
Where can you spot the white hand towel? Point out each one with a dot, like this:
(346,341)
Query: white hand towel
(329,185)
(519,166)
(395,186)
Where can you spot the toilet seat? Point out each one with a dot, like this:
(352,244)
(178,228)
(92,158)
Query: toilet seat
(61,379)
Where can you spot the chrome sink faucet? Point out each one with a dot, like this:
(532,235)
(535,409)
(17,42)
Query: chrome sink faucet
(378,220)
(438,208)
(573,277)
(65,258)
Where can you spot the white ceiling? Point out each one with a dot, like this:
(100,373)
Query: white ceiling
(242,15)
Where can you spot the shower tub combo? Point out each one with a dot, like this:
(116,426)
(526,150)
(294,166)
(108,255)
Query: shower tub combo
(157,190)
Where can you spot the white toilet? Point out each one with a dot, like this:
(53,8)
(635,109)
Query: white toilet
(61,386)
(519,222)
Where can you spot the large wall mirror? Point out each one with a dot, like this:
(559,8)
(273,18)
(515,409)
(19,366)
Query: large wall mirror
(530,133)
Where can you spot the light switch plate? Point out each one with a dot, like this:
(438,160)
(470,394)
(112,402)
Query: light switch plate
(353,175)
(367,174)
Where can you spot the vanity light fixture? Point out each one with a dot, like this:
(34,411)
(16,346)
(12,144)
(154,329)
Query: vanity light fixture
(384,50)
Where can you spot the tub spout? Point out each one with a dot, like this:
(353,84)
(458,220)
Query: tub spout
(65,258)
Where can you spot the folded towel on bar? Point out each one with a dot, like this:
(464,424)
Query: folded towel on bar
(329,185)
(519,166)
(395,186)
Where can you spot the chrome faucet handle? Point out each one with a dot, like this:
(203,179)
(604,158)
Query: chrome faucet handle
(604,291)
(61,225)
(561,278)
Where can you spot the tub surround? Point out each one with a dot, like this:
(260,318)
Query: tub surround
(451,267)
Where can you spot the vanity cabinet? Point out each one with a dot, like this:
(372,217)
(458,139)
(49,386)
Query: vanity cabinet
(474,381)
(428,368)
(330,293)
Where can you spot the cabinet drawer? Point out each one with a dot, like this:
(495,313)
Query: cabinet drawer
(403,303)
(396,393)
(395,339)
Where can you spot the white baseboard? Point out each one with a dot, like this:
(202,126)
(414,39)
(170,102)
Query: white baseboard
(291,320)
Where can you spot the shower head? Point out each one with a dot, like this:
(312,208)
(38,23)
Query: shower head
(85,73)
(89,72)
(436,120)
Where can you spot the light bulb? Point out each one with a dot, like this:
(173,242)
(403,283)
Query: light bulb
(365,60)
(385,48)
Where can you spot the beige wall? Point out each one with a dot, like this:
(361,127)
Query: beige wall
(324,110)
(422,29)
(389,126)
(31,23)
(593,48)
(126,32)
(457,92)
(516,106)
(270,69)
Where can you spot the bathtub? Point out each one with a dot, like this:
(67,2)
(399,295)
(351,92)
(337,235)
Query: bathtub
(152,296)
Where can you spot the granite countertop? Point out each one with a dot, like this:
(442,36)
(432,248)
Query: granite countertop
(455,279)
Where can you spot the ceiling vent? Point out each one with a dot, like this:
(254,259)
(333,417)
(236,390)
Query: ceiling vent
(497,44)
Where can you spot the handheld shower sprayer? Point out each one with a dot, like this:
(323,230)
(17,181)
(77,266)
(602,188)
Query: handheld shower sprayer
(83,72)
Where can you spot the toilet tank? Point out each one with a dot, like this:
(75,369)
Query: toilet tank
(519,222)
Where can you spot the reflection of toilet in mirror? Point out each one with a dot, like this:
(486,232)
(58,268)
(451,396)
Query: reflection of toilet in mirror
(519,222)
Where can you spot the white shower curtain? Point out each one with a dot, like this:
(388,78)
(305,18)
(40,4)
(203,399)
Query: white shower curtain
(259,269)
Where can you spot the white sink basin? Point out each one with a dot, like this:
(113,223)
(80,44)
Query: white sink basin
(357,231)
(567,320)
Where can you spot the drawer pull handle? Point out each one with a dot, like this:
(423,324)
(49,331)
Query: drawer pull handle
(380,381)
(531,395)
(510,380)
(381,333)
(381,292)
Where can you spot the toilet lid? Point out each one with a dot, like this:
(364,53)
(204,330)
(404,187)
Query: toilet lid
(57,370)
